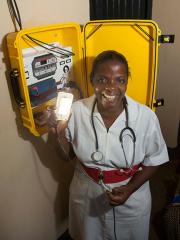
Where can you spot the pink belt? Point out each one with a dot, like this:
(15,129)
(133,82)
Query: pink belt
(111,176)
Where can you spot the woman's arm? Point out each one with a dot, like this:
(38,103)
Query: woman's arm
(65,147)
(58,129)
(141,177)
(119,195)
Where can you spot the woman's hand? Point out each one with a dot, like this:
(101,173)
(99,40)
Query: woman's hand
(119,195)
(53,123)
(61,126)
(51,117)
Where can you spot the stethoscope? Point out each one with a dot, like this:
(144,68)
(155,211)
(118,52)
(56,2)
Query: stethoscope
(97,156)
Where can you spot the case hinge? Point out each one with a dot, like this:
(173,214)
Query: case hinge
(159,102)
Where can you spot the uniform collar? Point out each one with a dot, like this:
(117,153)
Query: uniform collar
(132,108)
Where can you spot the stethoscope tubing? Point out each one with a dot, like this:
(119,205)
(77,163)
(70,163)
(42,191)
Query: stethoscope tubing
(93,125)
(127,128)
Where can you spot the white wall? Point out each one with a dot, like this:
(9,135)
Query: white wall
(33,179)
(166,14)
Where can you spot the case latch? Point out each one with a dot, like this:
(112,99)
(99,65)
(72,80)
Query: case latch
(167,38)
(159,102)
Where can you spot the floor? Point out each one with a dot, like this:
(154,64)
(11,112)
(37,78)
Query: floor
(163,185)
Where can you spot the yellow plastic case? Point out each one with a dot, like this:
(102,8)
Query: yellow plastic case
(136,39)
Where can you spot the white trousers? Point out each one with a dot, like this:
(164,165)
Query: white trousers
(91,217)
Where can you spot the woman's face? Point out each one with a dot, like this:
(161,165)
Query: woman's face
(110,84)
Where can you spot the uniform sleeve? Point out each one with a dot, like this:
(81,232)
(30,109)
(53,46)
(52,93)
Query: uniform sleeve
(155,147)
(69,131)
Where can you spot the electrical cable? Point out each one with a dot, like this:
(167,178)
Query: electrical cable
(114,218)
(18,17)
(50,45)
(38,42)
(14,11)
(15,14)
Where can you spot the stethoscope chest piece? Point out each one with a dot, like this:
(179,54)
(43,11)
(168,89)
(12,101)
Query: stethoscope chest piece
(97,156)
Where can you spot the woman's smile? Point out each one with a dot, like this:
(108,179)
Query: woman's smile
(108,97)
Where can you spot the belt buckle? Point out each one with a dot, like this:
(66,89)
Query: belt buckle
(122,171)
(100,176)
(119,172)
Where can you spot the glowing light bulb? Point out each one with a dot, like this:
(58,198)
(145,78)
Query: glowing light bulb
(63,105)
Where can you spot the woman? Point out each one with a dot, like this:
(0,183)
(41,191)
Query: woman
(119,146)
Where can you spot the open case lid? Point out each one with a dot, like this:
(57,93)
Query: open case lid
(137,40)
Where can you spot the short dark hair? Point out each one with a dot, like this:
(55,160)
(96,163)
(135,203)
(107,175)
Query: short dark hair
(106,56)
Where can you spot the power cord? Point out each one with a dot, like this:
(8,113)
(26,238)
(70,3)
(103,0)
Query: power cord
(114,218)
(50,47)
(15,14)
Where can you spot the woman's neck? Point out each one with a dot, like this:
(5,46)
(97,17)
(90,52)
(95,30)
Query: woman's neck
(110,115)
(108,112)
